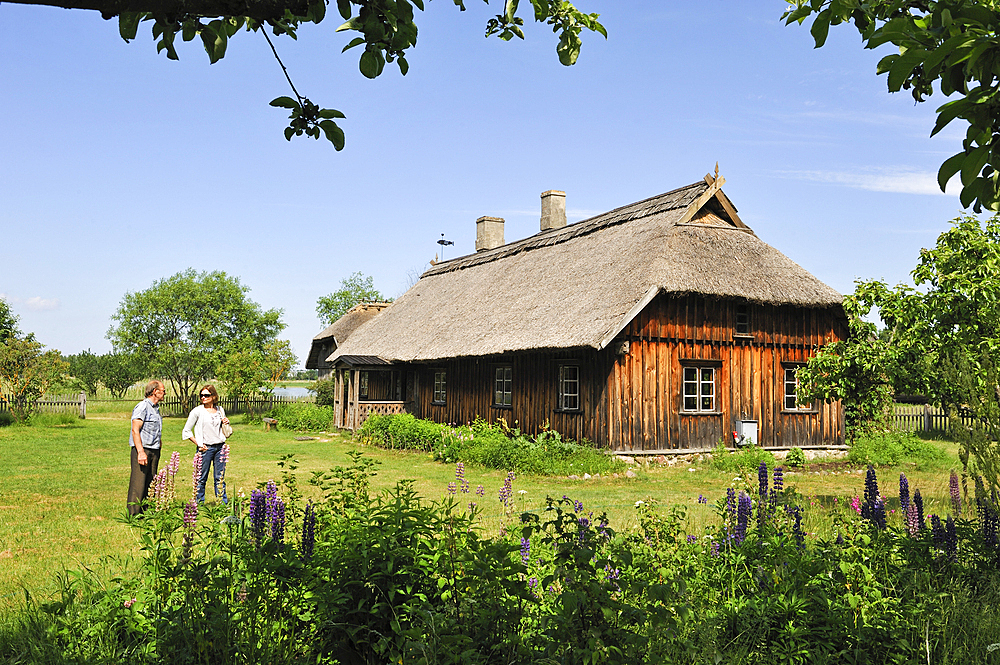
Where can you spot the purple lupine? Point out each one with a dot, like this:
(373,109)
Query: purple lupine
(779,481)
(937,531)
(904,493)
(271,495)
(878,514)
(612,575)
(702,498)
(532,585)
(715,548)
(278,521)
(508,489)
(451,488)
(525,550)
(480,490)
(762,479)
(797,532)
(463,484)
(195,474)
(692,539)
(577,506)
(840,539)
(950,540)
(308,532)
(918,501)
(912,521)
(956,495)
(175,463)
(258,515)
(742,516)
(990,526)
(731,504)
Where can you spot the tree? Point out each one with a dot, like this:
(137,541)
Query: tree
(119,371)
(26,372)
(951,43)
(245,371)
(85,367)
(942,335)
(184,326)
(386,27)
(353,290)
(8,322)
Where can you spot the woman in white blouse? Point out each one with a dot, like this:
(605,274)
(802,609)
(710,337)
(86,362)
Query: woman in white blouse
(204,429)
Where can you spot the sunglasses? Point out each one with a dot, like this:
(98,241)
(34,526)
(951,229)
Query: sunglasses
(206,394)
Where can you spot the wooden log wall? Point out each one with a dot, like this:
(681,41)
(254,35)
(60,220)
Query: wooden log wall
(642,402)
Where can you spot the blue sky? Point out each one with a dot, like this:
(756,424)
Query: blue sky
(121,167)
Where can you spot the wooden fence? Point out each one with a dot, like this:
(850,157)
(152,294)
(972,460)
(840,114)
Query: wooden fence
(923,418)
(171,406)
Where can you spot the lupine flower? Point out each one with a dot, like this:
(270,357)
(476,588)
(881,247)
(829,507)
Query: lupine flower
(190,513)
(990,525)
(480,490)
(742,516)
(800,536)
(271,493)
(702,499)
(956,496)
(937,531)
(950,540)
(612,575)
(129,603)
(508,489)
(258,515)
(195,474)
(731,504)
(715,548)
(692,539)
(577,506)
(525,550)
(308,532)
(904,493)
(871,493)
(460,477)
(762,479)
(532,585)
(912,520)
(779,480)
(175,463)
(451,488)
(840,538)
(918,501)
(278,521)
(856,504)
(878,514)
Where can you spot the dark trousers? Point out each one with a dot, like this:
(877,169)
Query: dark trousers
(142,476)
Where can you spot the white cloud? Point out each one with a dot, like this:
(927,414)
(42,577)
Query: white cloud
(895,180)
(35,303)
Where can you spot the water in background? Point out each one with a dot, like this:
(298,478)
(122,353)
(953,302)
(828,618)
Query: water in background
(292,391)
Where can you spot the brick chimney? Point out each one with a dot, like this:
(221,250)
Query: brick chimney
(553,209)
(489,233)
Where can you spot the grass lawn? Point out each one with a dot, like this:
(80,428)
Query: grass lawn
(62,489)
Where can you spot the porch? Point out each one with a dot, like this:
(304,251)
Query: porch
(367,385)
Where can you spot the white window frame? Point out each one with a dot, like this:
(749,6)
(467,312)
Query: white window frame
(790,379)
(569,387)
(440,394)
(694,396)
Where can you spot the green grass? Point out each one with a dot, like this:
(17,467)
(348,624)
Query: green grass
(62,488)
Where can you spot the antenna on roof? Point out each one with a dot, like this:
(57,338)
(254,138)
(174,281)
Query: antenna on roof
(443,243)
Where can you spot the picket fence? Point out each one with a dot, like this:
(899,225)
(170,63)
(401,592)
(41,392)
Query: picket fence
(923,418)
(169,407)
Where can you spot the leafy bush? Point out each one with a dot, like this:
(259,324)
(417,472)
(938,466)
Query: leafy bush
(891,448)
(400,432)
(6,418)
(302,416)
(744,460)
(795,457)
(326,392)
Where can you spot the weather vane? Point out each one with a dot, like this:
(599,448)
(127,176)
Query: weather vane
(443,244)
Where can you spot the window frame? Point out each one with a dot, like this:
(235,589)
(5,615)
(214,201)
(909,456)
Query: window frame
(699,382)
(362,384)
(439,389)
(793,367)
(561,384)
(742,310)
(508,383)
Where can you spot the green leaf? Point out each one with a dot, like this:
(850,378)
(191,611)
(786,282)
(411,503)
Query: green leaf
(285,102)
(820,27)
(974,163)
(949,169)
(903,67)
(369,64)
(510,10)
(568,48)
(404,66)
(970,193)
(331,113)
(353,24)
(948,112)
(128,24)
(288,133)
(344,7)
(357,41)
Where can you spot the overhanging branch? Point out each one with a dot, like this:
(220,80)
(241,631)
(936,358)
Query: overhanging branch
(261,10)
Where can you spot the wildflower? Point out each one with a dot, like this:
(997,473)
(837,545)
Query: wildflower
(451,488)
(840,538)
(308,532)
(692,539)
(195,474)
(762,479)
(525,550)
(956,496)
(918,501)
(507,489)
(640,502)
(800,536)
(532,584)
(937,531)
(912,520)
(129,603)
(878,514)
(230,520)
(190,513)
(856,504)
(779,481)
(715,549)
(460,477)
(242,595)
(950,540)
(731,503)
(480,490)
(904,493)
(702,499)
(742,515)
(278,521)
(577,506)
(258,515)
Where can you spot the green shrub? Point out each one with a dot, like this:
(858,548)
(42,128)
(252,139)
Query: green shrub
(302,416)
(745,460)
(326,392)
(891,448)
(400,432)
(6,418)
(795,457)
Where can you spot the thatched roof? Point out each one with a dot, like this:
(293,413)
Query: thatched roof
(327,341)
(579,286)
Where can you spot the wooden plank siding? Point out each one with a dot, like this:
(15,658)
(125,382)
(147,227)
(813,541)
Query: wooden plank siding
(631,393)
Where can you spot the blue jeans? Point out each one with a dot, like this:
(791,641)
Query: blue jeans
(211,458)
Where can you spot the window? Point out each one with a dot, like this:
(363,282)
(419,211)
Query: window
(569,388)
(742,319)
(792,390)
(439,387)
(699,389)
(501,386)
(362,385)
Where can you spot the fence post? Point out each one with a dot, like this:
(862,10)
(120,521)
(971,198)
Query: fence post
(83,404)
(927,417)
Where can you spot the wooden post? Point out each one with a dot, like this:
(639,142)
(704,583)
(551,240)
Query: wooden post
(83,404)
(927,417)
(355,395)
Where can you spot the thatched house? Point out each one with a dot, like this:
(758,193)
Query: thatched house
(327,341)
(662,325)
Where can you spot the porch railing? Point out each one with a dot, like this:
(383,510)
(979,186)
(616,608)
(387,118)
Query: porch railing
(381,408)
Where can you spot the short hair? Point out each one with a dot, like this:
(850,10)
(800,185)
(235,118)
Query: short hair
(152,386)
(215,394)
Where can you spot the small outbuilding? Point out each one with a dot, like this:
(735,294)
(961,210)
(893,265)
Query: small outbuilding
(663,325)
(328,341)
